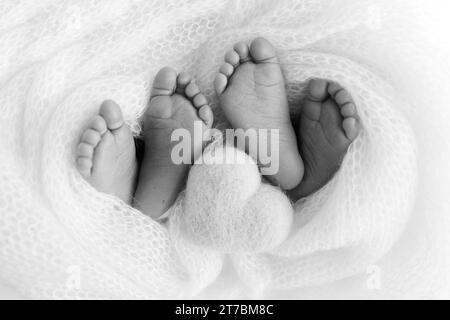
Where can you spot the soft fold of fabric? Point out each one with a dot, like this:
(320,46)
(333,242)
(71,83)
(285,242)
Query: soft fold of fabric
(378,229)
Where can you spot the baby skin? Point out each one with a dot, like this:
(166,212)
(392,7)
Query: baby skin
(328,125)
(106,154)
(251,89)
(252,93)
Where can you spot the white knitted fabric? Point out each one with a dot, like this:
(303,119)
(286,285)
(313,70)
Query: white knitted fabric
(384,214)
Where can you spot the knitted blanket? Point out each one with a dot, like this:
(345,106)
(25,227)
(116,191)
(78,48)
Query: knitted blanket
(379,228)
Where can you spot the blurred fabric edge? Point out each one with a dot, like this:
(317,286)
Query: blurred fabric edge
(7,293)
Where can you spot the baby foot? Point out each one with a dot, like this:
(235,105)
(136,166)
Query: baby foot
(329,123)
(175,102)
(252,94)
(106,155)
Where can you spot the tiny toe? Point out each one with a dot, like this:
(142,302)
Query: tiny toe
(200,100)
(348,110)
(85,150)
(342,97)
(339,94)
(98,123)
(232,58)
(220,83)
(242,50)
(334,88)
(84,165)
(183,80)
(226,69)
(317,90)
(192,90)
(262,50)
(91,137)
(350,126)
(111,112)
(205,113)
(165,82)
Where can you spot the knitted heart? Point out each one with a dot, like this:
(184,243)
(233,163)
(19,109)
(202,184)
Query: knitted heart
(229,209)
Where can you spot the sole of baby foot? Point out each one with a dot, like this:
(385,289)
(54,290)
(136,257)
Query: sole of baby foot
(106,154)
(252,93)
(175,103)
(328,125)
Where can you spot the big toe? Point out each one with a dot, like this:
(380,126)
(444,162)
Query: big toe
(164,86)
(262,50)
(111,112)
(165,82)
(318,90)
